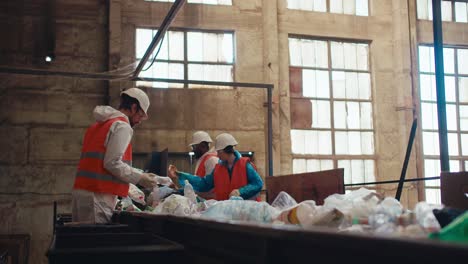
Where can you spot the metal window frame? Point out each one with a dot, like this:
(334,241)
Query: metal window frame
(336,157)
(186,62)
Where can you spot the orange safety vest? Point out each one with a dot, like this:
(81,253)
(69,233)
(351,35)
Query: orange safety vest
(223,186)
(201,170)
(91,174)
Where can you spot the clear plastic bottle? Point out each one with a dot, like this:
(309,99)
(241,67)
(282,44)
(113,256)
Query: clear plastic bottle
(189,192)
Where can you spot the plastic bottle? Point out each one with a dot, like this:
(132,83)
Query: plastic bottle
(384,217)
(426,217)
(189,192)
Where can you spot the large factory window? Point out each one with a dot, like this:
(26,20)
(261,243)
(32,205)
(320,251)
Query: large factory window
(208,2)
(456,96)
(331,107)
(187,54)
(348,7)
(455,11)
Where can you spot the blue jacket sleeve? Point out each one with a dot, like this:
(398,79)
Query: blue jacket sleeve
(254,183)
(199,184)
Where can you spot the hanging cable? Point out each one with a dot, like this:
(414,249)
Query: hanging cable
(157,52)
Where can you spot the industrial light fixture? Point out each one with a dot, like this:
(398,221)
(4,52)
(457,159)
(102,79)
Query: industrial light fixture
(49,58)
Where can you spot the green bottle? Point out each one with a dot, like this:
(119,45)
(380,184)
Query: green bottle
(456,231)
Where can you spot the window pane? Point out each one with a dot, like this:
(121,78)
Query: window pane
(452,144)
(340,115)
(295,55)
(357,171)
(341,143)
(336,6)
(222,73)
(226,50)
(451,112)
(446,10)
(308,53)
(349,7)
(310,142)
(431,143)
(462,61)
(449,60)
(460,12)
(369,166)
(464,117)
(194,46)
(299,165)
(339,84)
(346,165)
(424,58)
(353,119)
(337,55)
(321,52)
(429,116)
(210,47)
(351,82)
(320,114)
(362,56)
(432,169)
(422,9)
(364,86)
(454,165)
(320,5)
(450,89)
(297,141)
(293,4)
(351,56)
(163,49)
(362,8)
(176,45)
(315,84)
(427,87)
(306,5)
(367,139)
(366,116)
(463,89)
(143,39)
(324,143)
(433,196)
(464,144)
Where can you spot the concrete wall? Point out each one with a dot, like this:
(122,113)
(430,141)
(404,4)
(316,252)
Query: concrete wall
(43,117)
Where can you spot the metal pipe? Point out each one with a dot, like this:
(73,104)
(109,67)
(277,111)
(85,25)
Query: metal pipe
(269,88)
(394,181)
(440,85)
(407,157)
(100,76)
(214,83)
(270,130)
(160,34)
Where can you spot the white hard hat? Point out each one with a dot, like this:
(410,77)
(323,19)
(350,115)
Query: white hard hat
(140,96)
(223,140)
(200,136)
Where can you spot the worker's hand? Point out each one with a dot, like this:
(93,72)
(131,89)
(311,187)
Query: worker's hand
(148,180)
(234,192)
(172,172)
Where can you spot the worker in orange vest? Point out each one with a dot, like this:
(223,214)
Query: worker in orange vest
(206,158)
(234,175)
(105,168)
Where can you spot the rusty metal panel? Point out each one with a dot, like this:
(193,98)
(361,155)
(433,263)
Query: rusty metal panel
(295,82)
(454,189)
(301,113)
(307,186)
